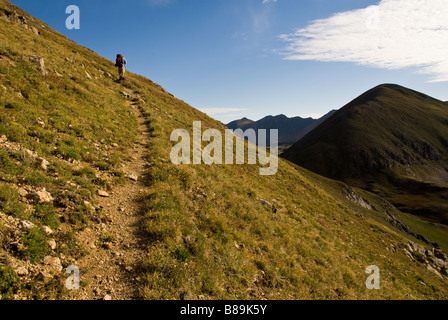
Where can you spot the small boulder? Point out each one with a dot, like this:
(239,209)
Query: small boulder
(53,264)
(34,30)
(22,192)
(44,164)
(21,271)
(52,244)
(27,225)
(39,63)
(21,19)
(42,196)
(103,194)
(30,153)
(126,94)
(89,206)
(439,264)
(41,123)
(45,276)
(47,230)
(269,205)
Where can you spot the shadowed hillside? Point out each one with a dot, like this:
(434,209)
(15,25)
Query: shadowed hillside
(390,140)
(68,134)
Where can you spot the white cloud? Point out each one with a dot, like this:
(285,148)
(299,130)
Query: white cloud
(220,111)
(394,34)
(267,1)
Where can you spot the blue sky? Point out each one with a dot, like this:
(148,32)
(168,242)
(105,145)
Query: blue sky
(235,58)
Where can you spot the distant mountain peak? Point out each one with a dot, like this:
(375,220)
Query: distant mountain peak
(291,130)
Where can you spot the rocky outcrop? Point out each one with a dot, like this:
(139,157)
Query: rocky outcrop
(14,17)
(41,196)
(269,205)
(39,63)
(435,259)
(404,228)
(354,197)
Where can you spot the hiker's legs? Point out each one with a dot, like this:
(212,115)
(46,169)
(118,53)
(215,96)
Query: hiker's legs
(121,71)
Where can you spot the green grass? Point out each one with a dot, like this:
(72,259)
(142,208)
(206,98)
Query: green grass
(9,282)
(10,203)
(36,245)
(209,235)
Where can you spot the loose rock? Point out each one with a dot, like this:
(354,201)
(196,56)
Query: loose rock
(39,63)
(52,244)
(103,194)
(21,271)
(27,224)
(44,163)
(22,192)
(53,264)
(47,230)
(41,196)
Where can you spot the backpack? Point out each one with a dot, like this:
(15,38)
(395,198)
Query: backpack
(120,61)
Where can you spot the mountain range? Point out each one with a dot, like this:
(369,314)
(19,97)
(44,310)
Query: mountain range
(291,130)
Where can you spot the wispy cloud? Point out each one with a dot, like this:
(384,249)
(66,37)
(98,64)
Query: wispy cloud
(267,1)
(394,34)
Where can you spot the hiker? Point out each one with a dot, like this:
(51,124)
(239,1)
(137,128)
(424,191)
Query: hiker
(120,63)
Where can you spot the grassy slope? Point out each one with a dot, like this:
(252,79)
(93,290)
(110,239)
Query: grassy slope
(210,235)
(212,238)
(80,125)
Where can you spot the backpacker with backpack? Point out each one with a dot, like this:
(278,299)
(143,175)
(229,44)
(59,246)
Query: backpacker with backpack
(121,61)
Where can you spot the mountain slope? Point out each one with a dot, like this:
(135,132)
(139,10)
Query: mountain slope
(210,232)
(242,123)
(291,130)
(390,140)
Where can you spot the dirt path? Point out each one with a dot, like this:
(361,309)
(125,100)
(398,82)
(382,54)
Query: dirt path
(109,270)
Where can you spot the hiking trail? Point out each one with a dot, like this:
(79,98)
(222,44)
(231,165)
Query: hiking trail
(109,271)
